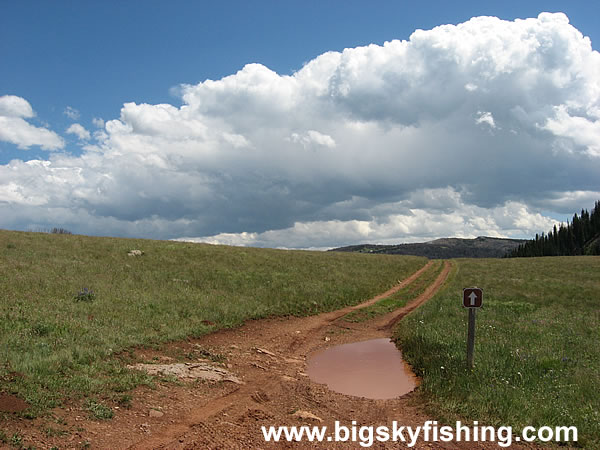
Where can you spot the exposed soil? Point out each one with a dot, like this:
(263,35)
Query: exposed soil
(12,403)
(269,358)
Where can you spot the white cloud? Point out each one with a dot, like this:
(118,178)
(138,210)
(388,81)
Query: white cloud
(487,118)
(582,130)
(463,130)
(71,113)
(12,193)
(13,106)
(312,138)
(16,130)
(98,122)
(79,131)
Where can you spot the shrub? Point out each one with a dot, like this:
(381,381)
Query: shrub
(85,295)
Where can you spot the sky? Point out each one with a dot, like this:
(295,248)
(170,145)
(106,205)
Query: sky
(298,124)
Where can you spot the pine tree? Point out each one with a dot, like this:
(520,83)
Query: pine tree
(580,237)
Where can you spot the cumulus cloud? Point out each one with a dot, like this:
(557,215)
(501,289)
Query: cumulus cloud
(486,127)
(582,130)
(487,118)
(16,130)
(13,106)
(312,138)
(79,131)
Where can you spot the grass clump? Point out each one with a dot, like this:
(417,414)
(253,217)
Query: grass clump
(16,440)
(537,348)
(53,348)
(54,432)
(85,295)
(124,400)
(99,410)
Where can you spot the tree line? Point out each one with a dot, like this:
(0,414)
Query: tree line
(579,237)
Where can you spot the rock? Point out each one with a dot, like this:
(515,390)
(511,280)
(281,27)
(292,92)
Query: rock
(293,361)
(191,371)
(155,413)
(177,280)
(259,366)
(264,352)
(260,397)
(135,253)
(306,415)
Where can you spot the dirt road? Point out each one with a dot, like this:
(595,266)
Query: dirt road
(269,357)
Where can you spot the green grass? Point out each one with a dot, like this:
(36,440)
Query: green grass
(537,349)
(398,299)
(70,305)
(99,410)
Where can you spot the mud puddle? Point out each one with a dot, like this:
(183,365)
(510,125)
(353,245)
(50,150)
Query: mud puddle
(371,369)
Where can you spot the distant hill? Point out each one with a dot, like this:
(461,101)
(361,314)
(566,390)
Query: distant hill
(445,248)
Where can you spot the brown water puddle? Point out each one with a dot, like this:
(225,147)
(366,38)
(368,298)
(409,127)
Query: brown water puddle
(372,369)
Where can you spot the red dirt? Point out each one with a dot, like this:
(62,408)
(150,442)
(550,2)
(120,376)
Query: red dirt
(12,403)
(270,357)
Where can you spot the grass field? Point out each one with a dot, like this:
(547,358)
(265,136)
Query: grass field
(69,303)
(537,351)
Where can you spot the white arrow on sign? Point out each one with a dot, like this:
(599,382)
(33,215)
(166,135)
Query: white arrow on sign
(473,297)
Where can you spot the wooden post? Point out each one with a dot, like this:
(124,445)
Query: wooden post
(471,338)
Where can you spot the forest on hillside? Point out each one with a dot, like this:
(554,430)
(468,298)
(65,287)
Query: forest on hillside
(579,237)
(445,248)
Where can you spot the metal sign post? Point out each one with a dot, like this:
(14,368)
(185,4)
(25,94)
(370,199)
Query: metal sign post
(472,299)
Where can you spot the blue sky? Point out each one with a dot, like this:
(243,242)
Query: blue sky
(74,62)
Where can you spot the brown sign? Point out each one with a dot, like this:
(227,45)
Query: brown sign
(472,297)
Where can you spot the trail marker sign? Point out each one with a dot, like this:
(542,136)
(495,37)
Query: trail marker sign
(472,297)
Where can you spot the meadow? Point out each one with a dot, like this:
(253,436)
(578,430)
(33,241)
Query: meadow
(71,305)
(537,348)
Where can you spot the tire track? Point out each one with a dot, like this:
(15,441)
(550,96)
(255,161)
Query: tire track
(290,341)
